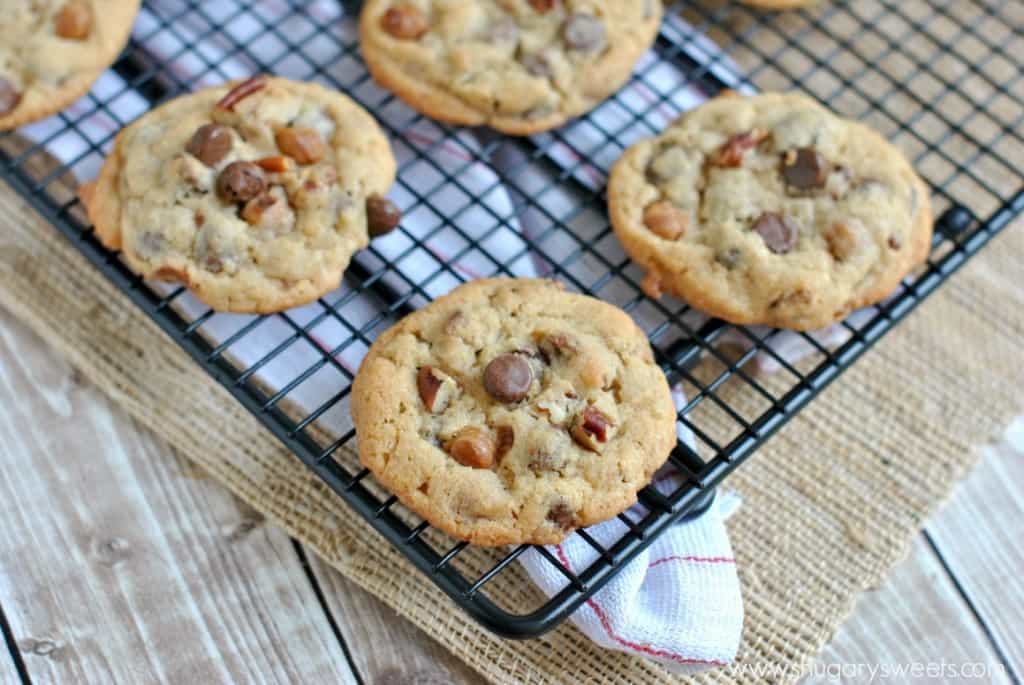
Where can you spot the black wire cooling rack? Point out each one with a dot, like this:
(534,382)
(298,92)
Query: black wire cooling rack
(942,78)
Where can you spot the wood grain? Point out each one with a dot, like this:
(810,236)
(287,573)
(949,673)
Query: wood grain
(980,535)
(386,649)
(120,563)
(916,617)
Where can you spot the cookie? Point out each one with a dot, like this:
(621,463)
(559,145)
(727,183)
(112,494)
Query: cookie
(520,66)
(52,51)
(771,210)
(511,411)
(255,194)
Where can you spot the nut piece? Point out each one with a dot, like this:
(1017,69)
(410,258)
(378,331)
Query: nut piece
(270,210)
(543,5)
(304,145)
(778,232)
(506,439)
(241,182)
(278,164)
(508,377)
(473,447)
(592,429)
(584,32)
(805,168)
(555,344)
(436,388)
(382,215)
(242,91)
(730,155)
(73,21)
(842,241)
(404,22)
(210,143)
(9,97)
(665,220)
(562,515)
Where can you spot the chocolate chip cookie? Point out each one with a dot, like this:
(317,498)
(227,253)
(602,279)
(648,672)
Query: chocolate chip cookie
(52,51)
(520,66)
(770,210)
(512,411)
(255,194)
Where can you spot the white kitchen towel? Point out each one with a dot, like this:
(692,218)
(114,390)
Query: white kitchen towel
(679,603)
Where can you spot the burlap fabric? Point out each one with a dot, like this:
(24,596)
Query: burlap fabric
(831,502)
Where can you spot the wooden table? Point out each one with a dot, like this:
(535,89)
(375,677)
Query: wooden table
(121,562)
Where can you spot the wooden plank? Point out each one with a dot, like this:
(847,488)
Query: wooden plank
(119,563)
(367,624)
(916,617)
(980,535)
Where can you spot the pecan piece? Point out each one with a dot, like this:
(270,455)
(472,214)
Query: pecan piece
(731,154)
(592,429)
(242,91)
(436,388)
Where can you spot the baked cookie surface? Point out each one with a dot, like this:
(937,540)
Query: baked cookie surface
(770,210)
(511,411)
(51,51)
(520,66)
(254,194)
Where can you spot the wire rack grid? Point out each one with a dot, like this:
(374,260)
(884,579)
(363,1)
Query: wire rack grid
(942,78)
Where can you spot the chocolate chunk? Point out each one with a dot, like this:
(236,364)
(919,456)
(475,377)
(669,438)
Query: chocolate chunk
(241,182)
(506,440)
(731,154)
(805,169)
(9,97)
(778,232)
(73,21)
(304,145)
(665,220)
(584,32)
(536,64)
(473,447)
(382,215)
(242,91)
(543,6)
(562,515)
(435,387)
(729,258)
(404,22)
(508,377)
(210,143)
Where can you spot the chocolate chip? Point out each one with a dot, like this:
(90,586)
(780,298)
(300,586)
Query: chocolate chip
(404,22)
(562,515)
(729,258)
(543,6)
(9,96)
(778,232)
(210,143)
(665,220)
(435,387)
(506,440)
(731,153)
(536,64)
(241,182)
(304,145)
(584,32)
(382,215)
(508,377)
(805,168)
(473,447)
(73,21)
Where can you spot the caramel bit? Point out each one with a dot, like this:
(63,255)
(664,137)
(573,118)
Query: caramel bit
(842,241)
(304,145)
(562,515)
(404,22)
(73,21)
(543,5)
(277,164)
(242,91)
(473,447)
(665,220)
(436,388)
(170,273)
(592,429)
(731,154)
(506,440)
